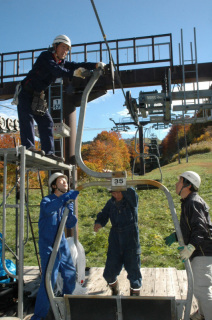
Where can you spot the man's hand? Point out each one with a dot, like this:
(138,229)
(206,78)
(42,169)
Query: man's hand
(170,239)
(97,226)
(100,65)
(186,251)
(79,73)
(70,195)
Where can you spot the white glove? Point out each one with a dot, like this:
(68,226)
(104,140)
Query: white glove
(186,251)
(78,73)
(101,65)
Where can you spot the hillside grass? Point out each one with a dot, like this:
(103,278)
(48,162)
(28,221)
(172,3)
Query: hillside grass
(155,221)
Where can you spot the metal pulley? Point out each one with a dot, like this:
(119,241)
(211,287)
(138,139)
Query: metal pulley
(132,106)
(9,124)
(16,125)
(2,123)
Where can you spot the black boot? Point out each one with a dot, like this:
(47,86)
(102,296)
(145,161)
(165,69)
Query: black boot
(114,288)
(54,157)
(134,292)
(41,152)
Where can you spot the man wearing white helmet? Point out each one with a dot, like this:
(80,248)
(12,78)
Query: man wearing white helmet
(51,212)
(196,229)
(49,66)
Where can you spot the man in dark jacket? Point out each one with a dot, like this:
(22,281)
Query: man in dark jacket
(124,246)
(49,66)
(196,229)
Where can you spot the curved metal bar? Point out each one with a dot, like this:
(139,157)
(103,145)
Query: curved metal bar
(96,74)
(176,225)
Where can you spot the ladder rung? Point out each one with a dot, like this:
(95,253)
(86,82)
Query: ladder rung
(33,205)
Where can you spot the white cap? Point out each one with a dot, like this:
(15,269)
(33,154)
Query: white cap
(55,176)
(64,39)
(192,177)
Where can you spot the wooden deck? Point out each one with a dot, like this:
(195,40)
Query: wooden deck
(157,282)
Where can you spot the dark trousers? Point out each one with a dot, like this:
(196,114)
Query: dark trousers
(26,124)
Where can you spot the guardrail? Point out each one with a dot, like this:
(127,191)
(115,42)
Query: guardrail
(126,52)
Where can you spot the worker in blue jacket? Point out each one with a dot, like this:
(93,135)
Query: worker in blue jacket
(49,66)
(51,212)
(124,246)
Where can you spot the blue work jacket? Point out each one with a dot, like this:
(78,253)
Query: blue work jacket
(46,70)
(124,234)
(51,213)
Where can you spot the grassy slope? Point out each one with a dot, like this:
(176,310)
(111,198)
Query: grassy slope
(155,220)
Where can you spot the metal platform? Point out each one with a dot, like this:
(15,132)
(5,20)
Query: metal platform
(33,160)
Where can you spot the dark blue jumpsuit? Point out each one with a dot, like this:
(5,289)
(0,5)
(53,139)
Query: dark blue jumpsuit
(44,72)
(51,212)
(124,246)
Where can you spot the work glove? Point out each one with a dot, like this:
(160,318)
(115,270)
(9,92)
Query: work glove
(170,239)
(70,195)
(186,251)
(71,219)
(101,65)
(79,73)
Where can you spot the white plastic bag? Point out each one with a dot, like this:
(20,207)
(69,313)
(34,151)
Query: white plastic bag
(79,261)
(73,249)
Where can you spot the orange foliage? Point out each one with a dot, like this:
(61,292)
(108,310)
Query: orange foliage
(169,143)
(108,151)
(11,141)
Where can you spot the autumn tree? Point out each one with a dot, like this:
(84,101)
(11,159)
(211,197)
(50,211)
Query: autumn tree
(11,140)
(176,136)
(108,151)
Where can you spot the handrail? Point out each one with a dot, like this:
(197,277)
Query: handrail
(84,49)
(96,74)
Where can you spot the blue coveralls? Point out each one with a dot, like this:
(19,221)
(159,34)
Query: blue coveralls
(51,212)
(124,246)
(44,72)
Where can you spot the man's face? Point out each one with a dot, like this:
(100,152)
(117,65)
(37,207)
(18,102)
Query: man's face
(62,184)
(117,195)
(62,50)
(179,185)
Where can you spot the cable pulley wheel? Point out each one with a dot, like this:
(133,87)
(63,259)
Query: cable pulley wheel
(2,123)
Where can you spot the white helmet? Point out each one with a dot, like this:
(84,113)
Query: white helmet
(192,177)
(55,176)
(62,38)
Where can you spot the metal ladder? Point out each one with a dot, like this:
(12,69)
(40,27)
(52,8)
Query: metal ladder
(29,218)
(56,110)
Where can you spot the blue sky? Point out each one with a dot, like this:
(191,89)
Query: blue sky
(27,24)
